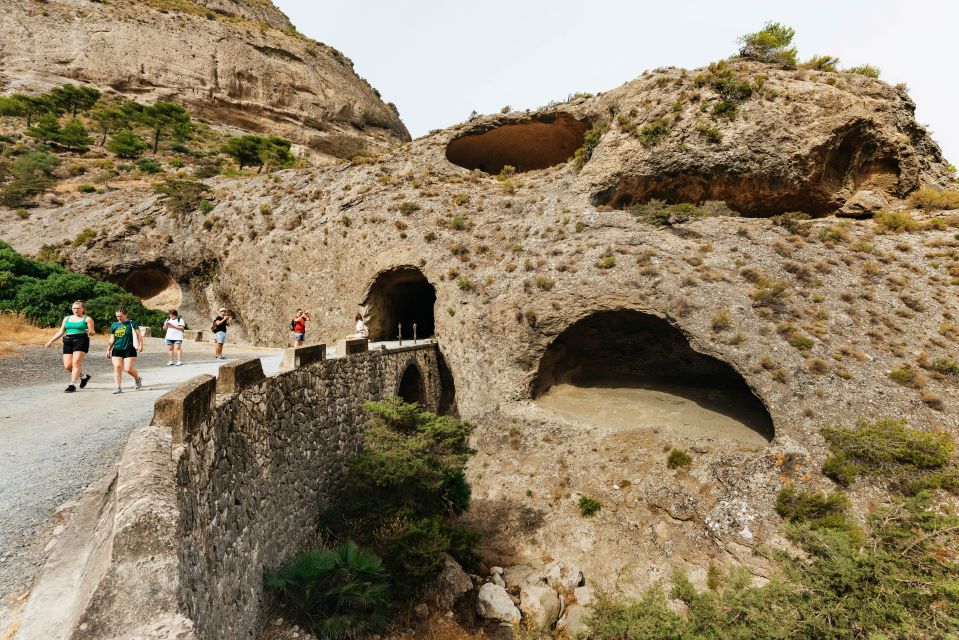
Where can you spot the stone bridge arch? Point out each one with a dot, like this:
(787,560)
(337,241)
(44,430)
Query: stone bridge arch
(414,382)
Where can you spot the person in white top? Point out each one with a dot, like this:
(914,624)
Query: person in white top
(174,326)
(360,329)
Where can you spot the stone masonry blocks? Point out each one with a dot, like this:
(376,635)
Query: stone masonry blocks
(238,375)
(256,472)
(186,406)
(296,357)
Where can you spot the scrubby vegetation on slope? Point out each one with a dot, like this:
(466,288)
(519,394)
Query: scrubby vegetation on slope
(44,291)
(63,136)
(404,492)
(895,577)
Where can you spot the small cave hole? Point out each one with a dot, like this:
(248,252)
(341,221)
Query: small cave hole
(155,287)
(535,144)
(400,296)
(625,369)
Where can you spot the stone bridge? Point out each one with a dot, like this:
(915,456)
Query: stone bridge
(226,483)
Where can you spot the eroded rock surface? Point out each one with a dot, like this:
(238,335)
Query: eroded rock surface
(236,63)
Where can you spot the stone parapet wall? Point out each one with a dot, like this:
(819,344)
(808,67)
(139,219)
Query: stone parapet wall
(257,469)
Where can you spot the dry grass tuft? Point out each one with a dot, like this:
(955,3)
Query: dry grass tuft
(17,331)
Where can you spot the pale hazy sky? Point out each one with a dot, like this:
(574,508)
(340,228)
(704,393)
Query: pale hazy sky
(440,60)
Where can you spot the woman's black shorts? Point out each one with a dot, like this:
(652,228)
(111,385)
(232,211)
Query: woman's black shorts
(76,343)
(129,352)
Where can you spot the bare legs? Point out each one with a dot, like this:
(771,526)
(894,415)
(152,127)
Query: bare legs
(124,364)
(74,364)
(178,348)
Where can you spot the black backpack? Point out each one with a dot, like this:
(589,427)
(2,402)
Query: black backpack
(292,326)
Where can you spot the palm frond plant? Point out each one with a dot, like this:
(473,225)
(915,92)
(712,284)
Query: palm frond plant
(340,593)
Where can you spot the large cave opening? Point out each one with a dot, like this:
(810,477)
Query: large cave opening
(853,157)
(155,286)
(624,369)
(401,296)
(535,144)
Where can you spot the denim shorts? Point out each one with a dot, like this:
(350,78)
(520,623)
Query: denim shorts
(299,336)
(169,342)
(220,337)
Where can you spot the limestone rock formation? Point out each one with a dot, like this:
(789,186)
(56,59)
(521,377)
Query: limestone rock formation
(533,273)
(234,62)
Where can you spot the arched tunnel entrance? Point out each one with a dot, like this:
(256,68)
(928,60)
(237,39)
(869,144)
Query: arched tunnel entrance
(411,387)
(625,369)
(400,296)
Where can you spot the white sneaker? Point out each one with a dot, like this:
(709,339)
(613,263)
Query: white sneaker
(179,364)
(170,363)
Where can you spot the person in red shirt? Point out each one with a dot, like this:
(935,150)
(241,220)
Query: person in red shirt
(298,327)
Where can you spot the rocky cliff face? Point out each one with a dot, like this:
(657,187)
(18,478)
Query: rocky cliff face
(508,249)
(235,62)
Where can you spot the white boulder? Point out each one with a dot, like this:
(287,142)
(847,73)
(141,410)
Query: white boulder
(493,603)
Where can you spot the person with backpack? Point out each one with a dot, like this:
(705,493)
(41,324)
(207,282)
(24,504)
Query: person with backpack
(220,323)
(76,330)
(174,326)
(298,327)
(126,343)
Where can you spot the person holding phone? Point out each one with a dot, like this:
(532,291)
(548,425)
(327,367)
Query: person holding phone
(174,326)
(298,327)
(126,342)
(220,323)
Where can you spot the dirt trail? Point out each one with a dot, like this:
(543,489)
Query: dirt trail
(53,444)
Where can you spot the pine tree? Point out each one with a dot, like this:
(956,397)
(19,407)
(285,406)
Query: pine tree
(74,137)
(127,145)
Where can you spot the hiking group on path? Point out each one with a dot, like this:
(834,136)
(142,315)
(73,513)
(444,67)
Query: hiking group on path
(126,341)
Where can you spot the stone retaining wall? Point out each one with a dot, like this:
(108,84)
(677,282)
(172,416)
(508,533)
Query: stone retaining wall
(256,470)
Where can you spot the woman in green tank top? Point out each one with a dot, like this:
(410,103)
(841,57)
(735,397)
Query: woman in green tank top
(76,330)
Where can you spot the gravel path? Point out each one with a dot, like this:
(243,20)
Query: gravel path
(53,444)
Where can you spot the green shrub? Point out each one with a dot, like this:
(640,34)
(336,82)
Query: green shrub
(711,133)
(821,63)
(911,459)
(127,145)
(86,188)
(896,581)
(865,70)
(590,141)
(895,221)
(44,293)
(678,458)
(769,293)
(181,196)
(149,166)
(409,208)
(405,489)
(816,509)
(934,199)
(945,365)
(770,44)
(589,506)
(206,206)
(652,132)
(657,212)
(85,237)
(904,376)
(270,152)
(32,175)
(607,262)
(339,593)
